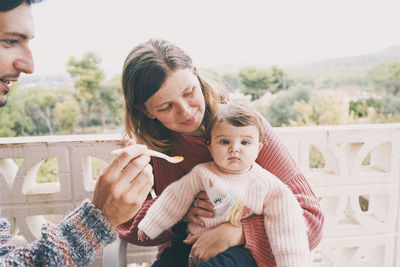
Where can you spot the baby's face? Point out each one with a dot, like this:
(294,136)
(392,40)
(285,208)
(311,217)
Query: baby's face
(234,149)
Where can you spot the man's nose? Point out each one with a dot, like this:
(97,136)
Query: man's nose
(24,63)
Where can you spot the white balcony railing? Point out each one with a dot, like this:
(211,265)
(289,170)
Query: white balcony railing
(358,187)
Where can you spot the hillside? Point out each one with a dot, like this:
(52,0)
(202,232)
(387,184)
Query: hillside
(345,65)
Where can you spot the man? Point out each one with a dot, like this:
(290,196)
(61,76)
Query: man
(120,190)
(16,27)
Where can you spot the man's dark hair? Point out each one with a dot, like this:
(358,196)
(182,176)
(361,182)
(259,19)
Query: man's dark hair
(7,5)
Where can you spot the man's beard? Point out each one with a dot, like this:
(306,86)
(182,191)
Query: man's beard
(3,103)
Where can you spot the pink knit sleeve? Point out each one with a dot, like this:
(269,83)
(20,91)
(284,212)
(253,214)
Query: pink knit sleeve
(276,158)
(128,231)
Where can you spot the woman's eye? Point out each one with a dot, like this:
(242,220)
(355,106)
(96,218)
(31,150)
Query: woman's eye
(165,108)
(189,92)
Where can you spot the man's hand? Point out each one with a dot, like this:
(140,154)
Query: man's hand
(124,185)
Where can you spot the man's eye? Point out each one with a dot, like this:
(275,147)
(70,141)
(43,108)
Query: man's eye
(224,142)
(10,42)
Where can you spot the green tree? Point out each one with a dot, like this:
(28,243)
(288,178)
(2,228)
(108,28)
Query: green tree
(278,80)
(258,81)
(385,77)
(14,121)
(231,81)
(255,81)
(67,114)
(40,107)
(281,110)
(320,110)
(88,83)
(361,107)
(113,101)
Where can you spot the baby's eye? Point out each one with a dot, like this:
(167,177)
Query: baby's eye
(224,141)
(245,142)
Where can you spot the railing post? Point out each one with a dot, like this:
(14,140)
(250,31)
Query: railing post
(115,254)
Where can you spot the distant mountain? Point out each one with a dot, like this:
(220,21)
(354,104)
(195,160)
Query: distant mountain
(53,81)
(335,66)
(347,64)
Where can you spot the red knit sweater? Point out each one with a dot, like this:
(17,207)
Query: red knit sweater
(274,157)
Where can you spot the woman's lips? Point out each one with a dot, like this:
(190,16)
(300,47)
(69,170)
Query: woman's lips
(189,121)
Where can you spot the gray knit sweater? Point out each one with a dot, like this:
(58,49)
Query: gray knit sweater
(74,242)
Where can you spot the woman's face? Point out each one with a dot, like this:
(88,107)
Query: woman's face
(179,103)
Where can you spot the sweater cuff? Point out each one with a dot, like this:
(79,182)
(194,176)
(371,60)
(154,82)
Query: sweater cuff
(150,228)
(257,242)
(4,231)
(86,232)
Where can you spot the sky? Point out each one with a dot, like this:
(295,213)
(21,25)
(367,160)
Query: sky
(213,32)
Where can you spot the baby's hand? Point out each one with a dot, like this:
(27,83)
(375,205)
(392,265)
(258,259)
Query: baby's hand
(141,236)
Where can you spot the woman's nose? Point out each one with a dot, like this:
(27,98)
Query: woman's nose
(183,107)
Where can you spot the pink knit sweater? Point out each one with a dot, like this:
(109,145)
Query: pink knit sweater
(257,189)
(273,157)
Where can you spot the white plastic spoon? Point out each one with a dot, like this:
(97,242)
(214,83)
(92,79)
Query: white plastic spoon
(149,152)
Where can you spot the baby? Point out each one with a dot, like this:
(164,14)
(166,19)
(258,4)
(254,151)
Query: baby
(237,187)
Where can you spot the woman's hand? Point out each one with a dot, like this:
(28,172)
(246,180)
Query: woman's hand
(214,241)
(200,207)
(124,185)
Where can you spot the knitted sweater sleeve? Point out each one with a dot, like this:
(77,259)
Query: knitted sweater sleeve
(128,230)
(170,207)
(285,226)
(276,158)
(74,242)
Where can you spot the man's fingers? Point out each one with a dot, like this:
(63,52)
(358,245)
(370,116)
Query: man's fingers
(129,173)
(142,184)
(123,158)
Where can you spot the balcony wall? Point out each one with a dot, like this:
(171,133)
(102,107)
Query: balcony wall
(357,181)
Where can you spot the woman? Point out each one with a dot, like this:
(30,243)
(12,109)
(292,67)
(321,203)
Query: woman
(167,104)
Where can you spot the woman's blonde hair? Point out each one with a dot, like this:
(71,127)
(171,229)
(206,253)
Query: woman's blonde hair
(145,69)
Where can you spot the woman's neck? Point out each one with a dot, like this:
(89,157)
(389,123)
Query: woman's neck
(197,133)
